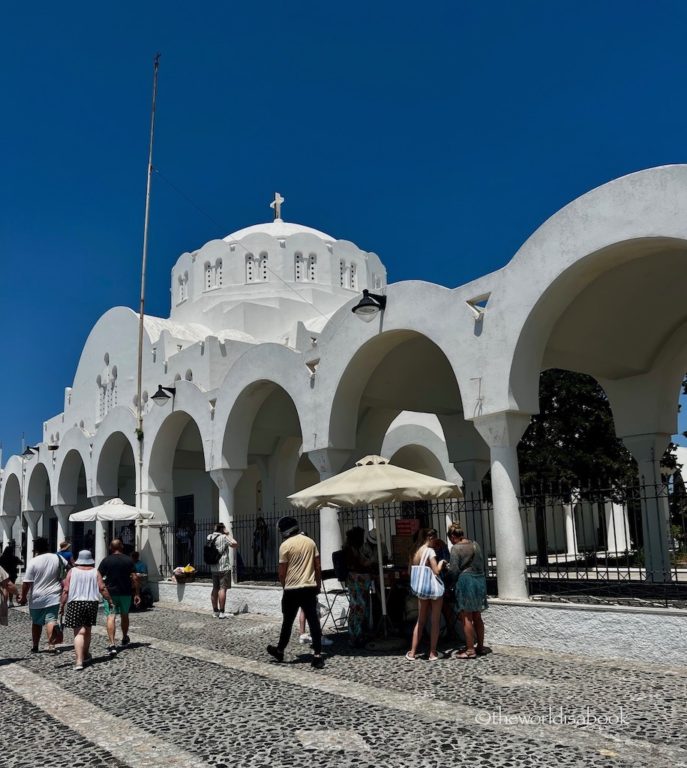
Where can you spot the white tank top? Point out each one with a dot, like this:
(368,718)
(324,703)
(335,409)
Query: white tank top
(83,585)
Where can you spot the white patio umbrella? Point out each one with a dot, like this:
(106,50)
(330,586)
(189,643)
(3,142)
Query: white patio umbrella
(374,481)
(114,510)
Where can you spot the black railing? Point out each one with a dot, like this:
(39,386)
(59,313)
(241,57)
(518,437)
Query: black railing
(582,544)
(257,557)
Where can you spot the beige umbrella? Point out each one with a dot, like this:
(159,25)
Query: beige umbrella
(374,481)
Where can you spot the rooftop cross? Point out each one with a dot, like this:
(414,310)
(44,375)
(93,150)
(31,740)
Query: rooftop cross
(276,204)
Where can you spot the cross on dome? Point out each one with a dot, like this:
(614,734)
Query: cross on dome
(276,205)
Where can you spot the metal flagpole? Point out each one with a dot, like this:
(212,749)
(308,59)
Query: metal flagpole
(139,403)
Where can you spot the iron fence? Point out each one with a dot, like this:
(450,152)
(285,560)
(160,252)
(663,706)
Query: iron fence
(619,544)
(582,544)
(257,557)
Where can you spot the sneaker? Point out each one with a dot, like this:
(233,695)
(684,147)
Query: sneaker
(221,615)
(126,640)
(275,653)
(112,650)
(78,667)
(317,662)
(327,642)
(216,614)
(304,639)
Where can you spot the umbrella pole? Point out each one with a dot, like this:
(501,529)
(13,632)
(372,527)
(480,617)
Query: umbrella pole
(382,591)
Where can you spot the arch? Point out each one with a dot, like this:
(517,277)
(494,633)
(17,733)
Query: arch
(426,443)
(418,458)
(558,302)
(74,452)
(352,352)
(246,387)
(38,488)
(11,492)
(118,427)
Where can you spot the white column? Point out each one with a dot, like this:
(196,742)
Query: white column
(7,522)
(226,481)
(101,542)
(502,432)
(570,529)
(32,519)
(62,512)
(647,451)
(328,462)
(473,471)
(617,533)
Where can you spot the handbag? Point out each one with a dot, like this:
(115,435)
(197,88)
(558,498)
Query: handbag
(424,584)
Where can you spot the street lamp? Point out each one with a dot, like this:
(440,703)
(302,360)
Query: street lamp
(369,306)
(161,396)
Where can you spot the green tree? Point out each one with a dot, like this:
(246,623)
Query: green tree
(572,440)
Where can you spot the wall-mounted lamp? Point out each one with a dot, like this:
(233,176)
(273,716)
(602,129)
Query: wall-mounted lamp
(161,396)
(29,452)
(369,306)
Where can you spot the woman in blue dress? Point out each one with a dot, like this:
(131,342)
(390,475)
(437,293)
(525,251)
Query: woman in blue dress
(466,570)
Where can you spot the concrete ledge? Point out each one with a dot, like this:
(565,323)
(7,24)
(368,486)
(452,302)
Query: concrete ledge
(613,632)
(259,599)
(605,632)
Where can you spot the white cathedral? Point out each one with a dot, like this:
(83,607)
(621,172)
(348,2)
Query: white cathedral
(273,383)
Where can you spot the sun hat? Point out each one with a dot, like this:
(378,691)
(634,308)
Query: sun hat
(85,558)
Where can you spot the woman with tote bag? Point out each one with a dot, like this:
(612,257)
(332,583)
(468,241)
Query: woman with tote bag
(425,582)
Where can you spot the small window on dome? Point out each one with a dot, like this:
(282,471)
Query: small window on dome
(312,262)
(208,276)
(263,266)
(342,273)
(250,268)
(353,278)
(218,273)
(299,267)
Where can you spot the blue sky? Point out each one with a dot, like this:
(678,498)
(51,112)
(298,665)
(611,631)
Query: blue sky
(438,135)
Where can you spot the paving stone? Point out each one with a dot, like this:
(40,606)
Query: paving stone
(206,689)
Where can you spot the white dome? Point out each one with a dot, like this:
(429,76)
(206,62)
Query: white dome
(278,229)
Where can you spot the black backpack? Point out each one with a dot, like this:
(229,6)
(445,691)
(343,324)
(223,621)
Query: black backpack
(211,554)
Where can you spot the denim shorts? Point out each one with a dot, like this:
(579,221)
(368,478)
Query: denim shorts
(43,616)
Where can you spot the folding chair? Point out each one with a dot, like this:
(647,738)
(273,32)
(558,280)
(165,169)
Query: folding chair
(337,594)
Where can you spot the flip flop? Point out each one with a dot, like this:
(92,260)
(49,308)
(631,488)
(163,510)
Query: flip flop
(464,656)
(434,658)
(410,658)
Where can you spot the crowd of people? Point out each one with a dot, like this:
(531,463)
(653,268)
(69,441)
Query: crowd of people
(65,591)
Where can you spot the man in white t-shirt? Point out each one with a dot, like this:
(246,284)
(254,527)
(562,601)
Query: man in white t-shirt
(43,579)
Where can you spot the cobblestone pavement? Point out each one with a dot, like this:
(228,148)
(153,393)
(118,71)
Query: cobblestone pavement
(195,691)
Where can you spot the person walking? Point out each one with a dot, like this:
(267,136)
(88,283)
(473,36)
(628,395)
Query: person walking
(301,577)
(7,589)
(119,575)
(43,580)
(81,596)
(466,569)
(221,570)
(10,562)
(65,552)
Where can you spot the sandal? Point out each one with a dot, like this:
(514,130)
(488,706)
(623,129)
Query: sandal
(465,655)
(410,658)
(434,658)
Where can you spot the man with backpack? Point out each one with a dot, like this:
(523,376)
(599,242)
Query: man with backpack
(217,554)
